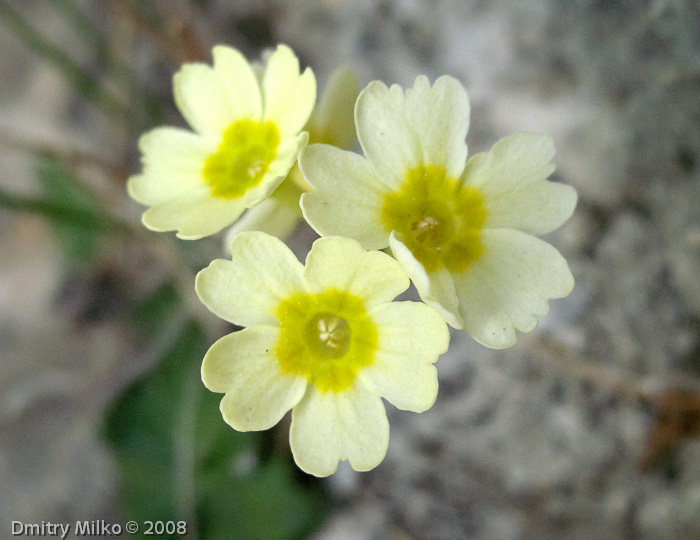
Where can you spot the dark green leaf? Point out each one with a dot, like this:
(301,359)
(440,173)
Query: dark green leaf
(233,494)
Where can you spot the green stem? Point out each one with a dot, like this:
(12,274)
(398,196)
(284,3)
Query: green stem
(65,214)
(184,452)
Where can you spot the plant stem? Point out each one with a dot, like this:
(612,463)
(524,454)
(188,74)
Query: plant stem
(75,75)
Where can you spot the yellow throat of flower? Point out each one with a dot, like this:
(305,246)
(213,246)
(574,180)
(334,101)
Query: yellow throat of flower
(242,159)
(439,219)
(326,338)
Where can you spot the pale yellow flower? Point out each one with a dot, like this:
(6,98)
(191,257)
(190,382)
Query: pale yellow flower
(324,340)
(332,123)
(464,231)
(247,135)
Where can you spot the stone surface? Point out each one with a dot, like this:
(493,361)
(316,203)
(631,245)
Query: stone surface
(521,444)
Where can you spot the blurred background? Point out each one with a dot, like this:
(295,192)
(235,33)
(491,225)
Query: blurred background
(588,428)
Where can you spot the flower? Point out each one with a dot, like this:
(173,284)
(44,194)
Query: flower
(324,340)
(247,135)
(331,122)
(464,231)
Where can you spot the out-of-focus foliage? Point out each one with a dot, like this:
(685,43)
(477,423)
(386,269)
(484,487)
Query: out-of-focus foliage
(179,461)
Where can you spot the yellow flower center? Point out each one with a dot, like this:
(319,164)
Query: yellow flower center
(242,159)
(439,219)
(326,338)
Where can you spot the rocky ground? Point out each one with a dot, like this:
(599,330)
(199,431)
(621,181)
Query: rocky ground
(586,429)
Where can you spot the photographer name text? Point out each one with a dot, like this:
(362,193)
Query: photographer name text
(99,527)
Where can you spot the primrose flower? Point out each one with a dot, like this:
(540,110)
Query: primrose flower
(324,340)
(247,135)
(332,123)
(464,231)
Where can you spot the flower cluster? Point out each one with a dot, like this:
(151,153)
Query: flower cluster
(325,339)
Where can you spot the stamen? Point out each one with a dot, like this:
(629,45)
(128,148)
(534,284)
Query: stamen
(329,335)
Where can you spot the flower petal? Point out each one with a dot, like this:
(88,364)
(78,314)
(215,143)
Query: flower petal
(347,195)
(509,285)
(384,132)
(194,214)
(513,180)
(202,100)
(340,263)
(329,427)
(248,289)
(411,337)
(333,121)
(289,96)
(270,216)
(426,126)
(278,170)
(439,115)
(172,165)
(239,82)
(437,289)
(258,394)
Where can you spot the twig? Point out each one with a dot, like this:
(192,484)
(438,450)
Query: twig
(564,359)
(71,157)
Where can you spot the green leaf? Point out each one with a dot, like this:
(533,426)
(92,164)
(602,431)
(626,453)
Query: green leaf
(79,243)
(178,459)
(152,312)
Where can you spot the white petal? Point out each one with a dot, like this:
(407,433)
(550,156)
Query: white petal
(384,132)
(341,263)
(513,180)
(437,289)
(270,216)
(332,121)
(411,337)
(509,286)
(427,126)
(194,214)
(258,394)
(346,198)
(172,164)
(279,169)
(329,427)
(439,115)
(248,289)
(240,85)
(289,97)
(202,100)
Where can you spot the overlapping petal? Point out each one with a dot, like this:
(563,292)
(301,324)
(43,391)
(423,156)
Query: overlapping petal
(330,427)
(247,290)
(342,264)
(436,289)
(278,170)
(509,286)
(333,121)
(346,198)
(270,216)
(411,337)
(258,394)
